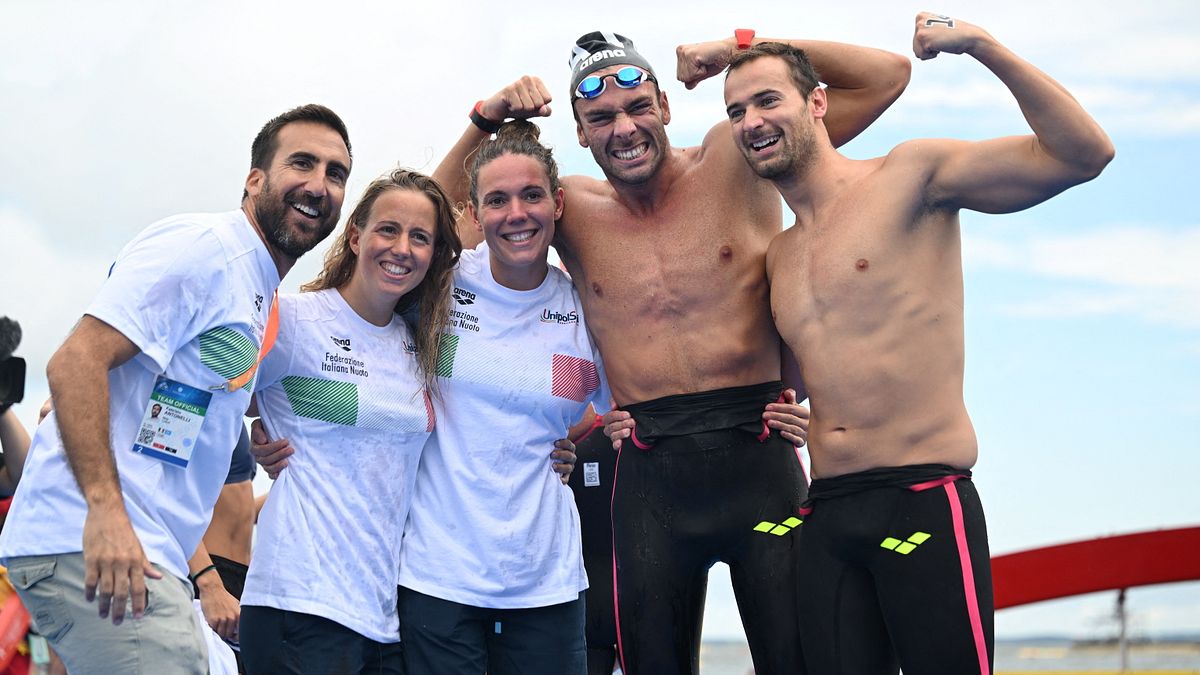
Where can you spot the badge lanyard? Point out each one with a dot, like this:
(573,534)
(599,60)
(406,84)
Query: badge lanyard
(268,343)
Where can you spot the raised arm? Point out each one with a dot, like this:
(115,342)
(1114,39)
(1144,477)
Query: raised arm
(525,98)
(861,82)
(1008,174)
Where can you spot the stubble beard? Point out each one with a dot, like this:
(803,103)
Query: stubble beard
(793,161)
(640,175)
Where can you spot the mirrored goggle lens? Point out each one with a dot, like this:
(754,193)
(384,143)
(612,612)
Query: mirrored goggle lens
(629,77)
(590,87)
(626,78)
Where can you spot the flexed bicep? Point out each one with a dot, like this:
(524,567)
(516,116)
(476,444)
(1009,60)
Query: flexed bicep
(999,175)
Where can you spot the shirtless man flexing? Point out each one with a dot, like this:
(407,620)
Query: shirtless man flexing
(867,291)
(668,256)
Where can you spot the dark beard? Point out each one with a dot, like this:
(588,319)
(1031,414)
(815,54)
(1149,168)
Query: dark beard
(271,211)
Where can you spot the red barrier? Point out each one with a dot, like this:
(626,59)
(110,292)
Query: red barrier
(1103,564)
(14,624)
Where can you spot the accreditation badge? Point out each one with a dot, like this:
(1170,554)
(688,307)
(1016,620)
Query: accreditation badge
(591,474)
(171,425)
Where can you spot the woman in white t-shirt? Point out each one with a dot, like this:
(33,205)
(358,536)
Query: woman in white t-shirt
(491,571)
(349,381)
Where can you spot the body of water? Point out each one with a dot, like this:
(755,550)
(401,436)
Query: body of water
(1015,656)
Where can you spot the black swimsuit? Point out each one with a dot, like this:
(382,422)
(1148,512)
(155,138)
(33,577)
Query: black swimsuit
(704,480)
(896,574)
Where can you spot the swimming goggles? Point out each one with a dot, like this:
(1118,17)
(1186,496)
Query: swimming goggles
(626,78)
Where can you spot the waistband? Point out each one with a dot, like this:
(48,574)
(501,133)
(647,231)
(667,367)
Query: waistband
(716,410)
(915,477)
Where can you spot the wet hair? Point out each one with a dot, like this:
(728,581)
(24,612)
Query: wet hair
(267,141)
(801,70)
(430,300)
(515,137)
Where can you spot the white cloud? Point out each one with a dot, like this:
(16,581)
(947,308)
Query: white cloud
(1132,108)
(1140,256)
(1161,121)
(46,288)
(978,250)
(1171,54)
(1143,271)
(1173,308)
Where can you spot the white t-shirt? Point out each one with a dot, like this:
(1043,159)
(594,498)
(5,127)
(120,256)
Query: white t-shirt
(193,292)
(349,397)
(491,525)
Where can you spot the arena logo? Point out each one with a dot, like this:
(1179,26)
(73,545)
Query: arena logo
(343,343)
(463,297)
(553,316)
(600,56)
(409,347)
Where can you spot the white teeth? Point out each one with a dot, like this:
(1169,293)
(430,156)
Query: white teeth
(764,142)
(393,268)
(519,236)
(632,153)
(306,210)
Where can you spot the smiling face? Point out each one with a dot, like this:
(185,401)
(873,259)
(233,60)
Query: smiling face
(625,129)
(297,199)
(394,247)
(516,213)
(773,124)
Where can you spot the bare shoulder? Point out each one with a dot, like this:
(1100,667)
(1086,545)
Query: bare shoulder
(772,253)
(719,136)
(583,196)
(584,185)
(718,148)
(923,151)
(914,162)
(721,169)
(924,165)
(586,200)
(780,248)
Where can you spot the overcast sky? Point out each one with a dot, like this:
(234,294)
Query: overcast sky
(1083,314)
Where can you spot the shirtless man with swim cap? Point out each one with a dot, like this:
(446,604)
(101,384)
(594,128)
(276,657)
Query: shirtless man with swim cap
(668,256)
(867,291)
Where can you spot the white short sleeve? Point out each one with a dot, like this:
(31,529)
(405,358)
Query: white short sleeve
(158,292)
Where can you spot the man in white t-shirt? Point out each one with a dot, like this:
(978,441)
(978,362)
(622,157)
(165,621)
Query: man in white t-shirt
(115,497)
